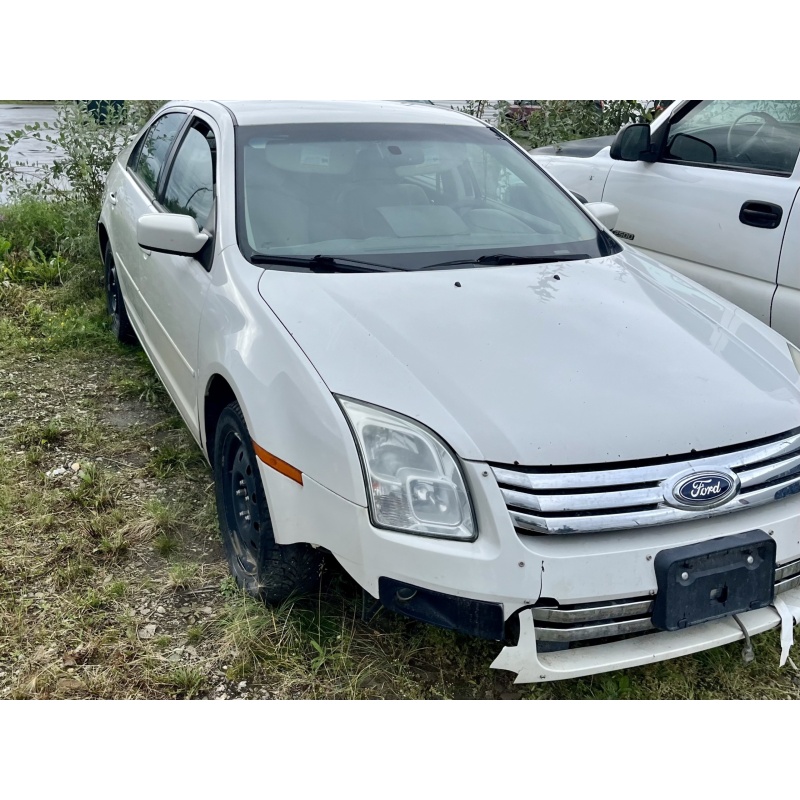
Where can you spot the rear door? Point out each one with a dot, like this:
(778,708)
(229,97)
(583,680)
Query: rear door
(716,203)
(134,197)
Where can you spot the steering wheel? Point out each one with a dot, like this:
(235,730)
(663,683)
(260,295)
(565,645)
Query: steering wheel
(767,119)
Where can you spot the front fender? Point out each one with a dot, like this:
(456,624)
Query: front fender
(289,410)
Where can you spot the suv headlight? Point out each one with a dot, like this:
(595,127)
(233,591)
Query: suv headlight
(414,483)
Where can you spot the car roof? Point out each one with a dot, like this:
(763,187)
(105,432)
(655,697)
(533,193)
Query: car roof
(275,112)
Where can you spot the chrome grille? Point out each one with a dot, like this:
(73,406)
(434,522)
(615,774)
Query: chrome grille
(591,621)
(582,500)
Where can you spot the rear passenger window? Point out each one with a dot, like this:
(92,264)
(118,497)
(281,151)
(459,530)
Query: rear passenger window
(190,186)
(150,155)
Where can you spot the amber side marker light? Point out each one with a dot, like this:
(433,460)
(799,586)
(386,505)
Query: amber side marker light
(278,464)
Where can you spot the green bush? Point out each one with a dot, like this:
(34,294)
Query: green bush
(59,227)
(86,144)
(30,223)
(536,123)
(49,227)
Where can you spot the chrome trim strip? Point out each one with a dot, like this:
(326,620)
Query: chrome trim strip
(574,615)
(583,502)
(612,520)
(656,472)
(617,611)
(766,494)
(787,584)
(593,631)
(784,571)
(608,522)
(761,474)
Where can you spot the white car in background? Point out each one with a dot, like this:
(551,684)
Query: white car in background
(710,189)
(399,341)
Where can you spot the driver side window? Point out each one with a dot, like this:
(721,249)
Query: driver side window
(746,135)
(190,185)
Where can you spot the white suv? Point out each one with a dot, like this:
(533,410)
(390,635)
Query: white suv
(710,189)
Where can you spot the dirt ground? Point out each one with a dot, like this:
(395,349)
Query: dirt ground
(113,582)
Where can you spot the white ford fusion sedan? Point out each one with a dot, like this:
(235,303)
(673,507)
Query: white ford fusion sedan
(399,341)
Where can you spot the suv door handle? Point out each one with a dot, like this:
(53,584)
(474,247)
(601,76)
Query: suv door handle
(760,214)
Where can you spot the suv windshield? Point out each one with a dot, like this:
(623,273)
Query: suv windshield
(402,195)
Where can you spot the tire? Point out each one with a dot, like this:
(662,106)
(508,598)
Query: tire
(264,569)
(115,304)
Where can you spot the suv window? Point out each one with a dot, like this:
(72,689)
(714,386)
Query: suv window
(149,156)
(190,186)
(749,135)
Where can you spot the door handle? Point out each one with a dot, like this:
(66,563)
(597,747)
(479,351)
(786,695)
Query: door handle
(112,198)
(760,214)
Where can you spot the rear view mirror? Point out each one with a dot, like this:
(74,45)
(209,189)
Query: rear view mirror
(631,143)
(176,234)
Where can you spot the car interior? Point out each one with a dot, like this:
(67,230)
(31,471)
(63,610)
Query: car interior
(754,139)
(297,193)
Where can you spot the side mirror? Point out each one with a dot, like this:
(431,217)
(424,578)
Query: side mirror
(605,213)
(176,234)
(689,148)
(631,143)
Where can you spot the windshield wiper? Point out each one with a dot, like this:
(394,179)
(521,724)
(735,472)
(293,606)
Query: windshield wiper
(505,259)
(322,263)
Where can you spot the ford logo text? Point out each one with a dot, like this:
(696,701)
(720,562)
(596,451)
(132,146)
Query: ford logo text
(705,489)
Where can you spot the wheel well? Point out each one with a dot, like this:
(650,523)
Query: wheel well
(218,395)
(102,236)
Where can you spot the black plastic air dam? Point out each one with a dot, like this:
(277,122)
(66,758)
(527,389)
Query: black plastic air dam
(473,617)
(714,579)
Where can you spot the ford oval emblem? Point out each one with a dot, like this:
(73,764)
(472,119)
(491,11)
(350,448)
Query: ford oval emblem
(705,489)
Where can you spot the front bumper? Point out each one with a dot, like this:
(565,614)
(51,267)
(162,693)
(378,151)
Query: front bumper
(520,571)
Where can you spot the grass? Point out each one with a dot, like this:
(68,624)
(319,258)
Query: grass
(112,578)
(184,576)
(165,545)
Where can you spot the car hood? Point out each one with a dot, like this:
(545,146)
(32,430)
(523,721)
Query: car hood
(609,359)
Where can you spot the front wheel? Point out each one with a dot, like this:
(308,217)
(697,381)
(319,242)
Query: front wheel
(261,567)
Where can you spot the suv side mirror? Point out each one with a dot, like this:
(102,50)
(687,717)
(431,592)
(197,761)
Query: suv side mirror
(632,143)
(605,213)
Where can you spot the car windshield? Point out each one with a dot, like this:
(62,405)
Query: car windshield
(405,196)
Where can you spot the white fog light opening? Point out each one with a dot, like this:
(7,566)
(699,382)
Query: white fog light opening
(413,480)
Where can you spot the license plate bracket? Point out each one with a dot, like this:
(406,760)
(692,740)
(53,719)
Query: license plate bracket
(713,579)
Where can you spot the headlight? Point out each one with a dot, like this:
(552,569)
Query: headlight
(414,483)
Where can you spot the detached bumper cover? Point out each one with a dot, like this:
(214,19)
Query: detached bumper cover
(534,667)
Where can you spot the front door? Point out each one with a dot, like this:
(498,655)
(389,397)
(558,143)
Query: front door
(172,170)
(174,287)
(715,204)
